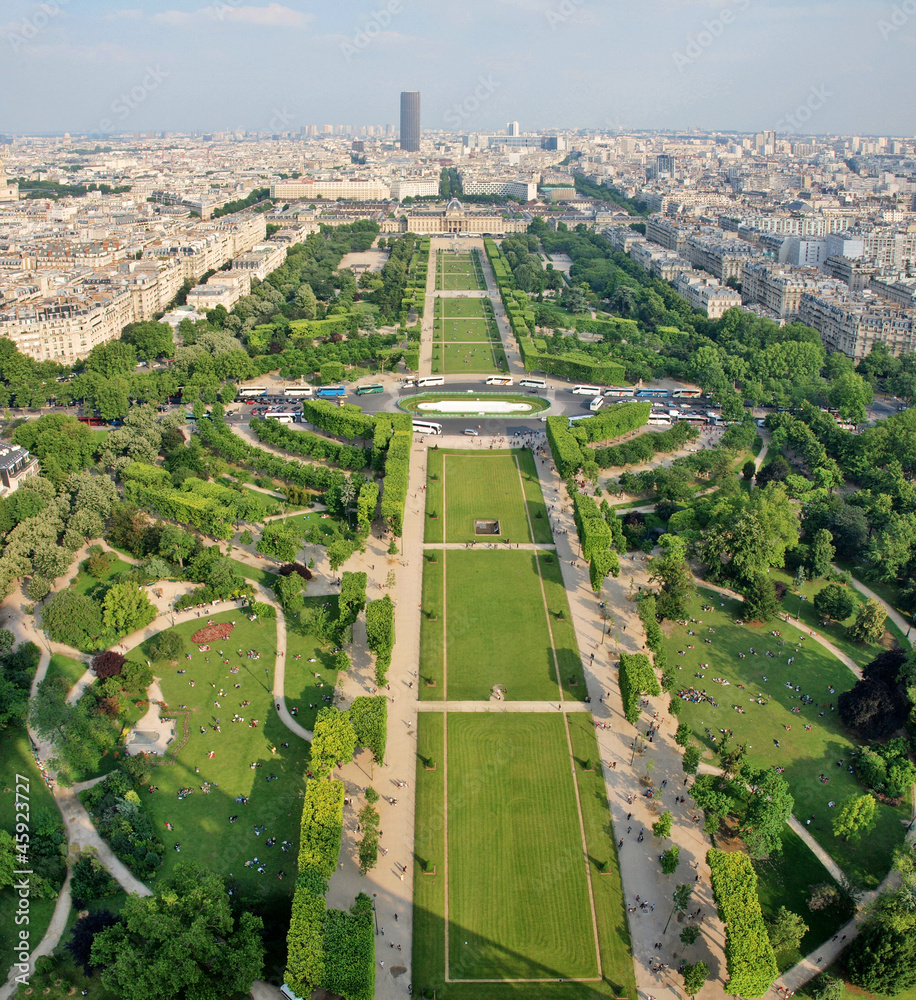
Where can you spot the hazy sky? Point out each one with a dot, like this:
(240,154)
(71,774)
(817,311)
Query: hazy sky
(101,65)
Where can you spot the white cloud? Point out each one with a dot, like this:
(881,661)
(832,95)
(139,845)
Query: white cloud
(274,15)
(128,14)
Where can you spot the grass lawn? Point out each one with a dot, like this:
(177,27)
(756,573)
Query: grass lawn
(487,486)
(468,308)
(434,524)
(562,629)
(86,584)
(466,330)
(256,574)
(65,666)
(486,647)
(201,821)
(432,630)
(833,631)
(464,359)
(268,505)
(16,759)
(303,688)
(786,880)
(498,880)
(804,754)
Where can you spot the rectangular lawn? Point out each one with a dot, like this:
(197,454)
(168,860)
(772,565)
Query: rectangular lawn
(469,359)
(464,330)
(484,486)
(496,627)
(470,308)
(518,894)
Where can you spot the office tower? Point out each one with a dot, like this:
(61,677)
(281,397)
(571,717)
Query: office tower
(410,121)
(664,165)
(513,129)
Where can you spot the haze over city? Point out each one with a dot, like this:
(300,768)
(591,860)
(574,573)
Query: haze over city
(595,64)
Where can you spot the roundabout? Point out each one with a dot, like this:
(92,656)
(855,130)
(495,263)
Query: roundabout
(469,404)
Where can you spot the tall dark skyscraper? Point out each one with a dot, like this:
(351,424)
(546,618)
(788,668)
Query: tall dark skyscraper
(410,121)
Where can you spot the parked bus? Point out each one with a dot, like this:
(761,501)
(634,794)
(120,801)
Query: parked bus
(687,393)
(596,404)
(279,416)
(586,390)
(298,391)
(331,392)
(695,418)
(620,393)
(365,390)
(499,380)
(409,383)
(425,427)
(430,380)
(253,390)
(651,393)
(659,420)
(533,383)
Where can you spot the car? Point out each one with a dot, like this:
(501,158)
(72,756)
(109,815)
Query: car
(470,432)
(248,402)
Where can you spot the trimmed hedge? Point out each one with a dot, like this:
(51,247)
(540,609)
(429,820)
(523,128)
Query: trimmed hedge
(369,717)
(636,678)
(349,951)
(614,421)
(380,634)
(310,445)
(346,421)
(748,954)
(565,448)
(597,540)
(305,961)
(366,504)
(643,448)
(397,471)
(322,827)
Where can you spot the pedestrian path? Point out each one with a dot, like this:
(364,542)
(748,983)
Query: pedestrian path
(892,613)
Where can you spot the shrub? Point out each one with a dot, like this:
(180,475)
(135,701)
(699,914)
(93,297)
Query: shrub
(108,664)
(295,567)
(167,645)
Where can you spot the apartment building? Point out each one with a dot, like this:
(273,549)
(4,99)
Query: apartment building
(706,294)
(502,186)
(724,260)
(777,288)
(353,190)
(854,324)
(16,465)
(622,238)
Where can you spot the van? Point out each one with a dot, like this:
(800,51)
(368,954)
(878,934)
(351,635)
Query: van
(470,432)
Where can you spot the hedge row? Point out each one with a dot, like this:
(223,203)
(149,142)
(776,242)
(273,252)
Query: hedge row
(613,421)
(565,448)
(575,367)
(748,954)
(310,445)
(607,327)
(352,597)
(597,540)
(346,421)
(369,717)
(643,448)
(322,827)
(210,516)
(646,609)
(380,634)
(349,951)
(636,678)
(366,504)
(397,470)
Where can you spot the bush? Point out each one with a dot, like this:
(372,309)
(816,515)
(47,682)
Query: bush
(834,601)
(636,678)
(295,567)
(108,664)
(167,645)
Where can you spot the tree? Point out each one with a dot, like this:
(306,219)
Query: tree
(676,587)
(760,600)
(89,879)
(662,827)
(786,930)
(878,704)
(882,959)
(851,394)
(74,620)
(695,977)
(127,608)
(691,761)
(167,645)
(80,737)
(151,340)
(670,859)
(869,623)
(689,934)
(83,935)
(182,942)
(749,469)
(821,554)
(176,544)
(835,602)
(9,859)
(826,987)
(289,592)
(767,813)
(280,541)
(333,742)
(683,735)
(108,664)
(855,818)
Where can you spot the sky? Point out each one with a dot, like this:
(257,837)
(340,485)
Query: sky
(797,66)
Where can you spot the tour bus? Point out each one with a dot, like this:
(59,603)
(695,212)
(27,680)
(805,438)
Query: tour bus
(700,419)
(586,390)
(627,393)
(365,390)
(651,393)
(687,393)
(430,380)
(596,404)
(533,383)
(499,380)
(298,391)
(279,416)
(331,391)
(660,420)
(425,427)
(253,390)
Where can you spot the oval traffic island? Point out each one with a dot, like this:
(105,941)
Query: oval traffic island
(473,404)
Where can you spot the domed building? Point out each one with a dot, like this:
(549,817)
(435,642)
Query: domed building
(8,192)
(455,218)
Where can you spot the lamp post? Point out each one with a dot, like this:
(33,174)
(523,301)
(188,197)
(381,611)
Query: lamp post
(375,913)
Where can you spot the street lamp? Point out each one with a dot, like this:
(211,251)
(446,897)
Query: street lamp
(375,913)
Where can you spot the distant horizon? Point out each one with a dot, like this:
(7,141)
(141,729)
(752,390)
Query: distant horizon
(268,66)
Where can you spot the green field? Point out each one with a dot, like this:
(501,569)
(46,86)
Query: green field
(302,687)
(521,903)
(201,821)
(86,585)
(469,359)
(805,754)
(458,272)
(466,308)
(432,627)
(65,666)
(466,331)
(491,485)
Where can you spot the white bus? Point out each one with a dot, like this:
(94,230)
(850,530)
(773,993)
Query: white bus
(298,390)
(596,404)
(586,390)
(253,390)
(659,420)
(499,380)
(620,393)
(430,380)
(282,418)
(425,427)
(687,393)
(533,383)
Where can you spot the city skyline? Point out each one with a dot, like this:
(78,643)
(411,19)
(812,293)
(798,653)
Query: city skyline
(728,66)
